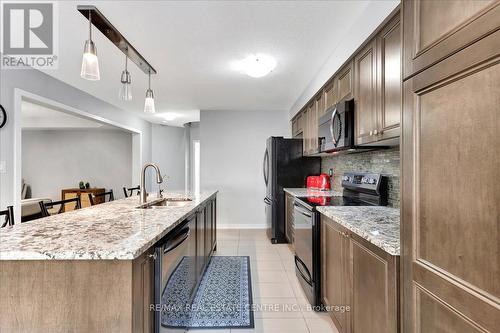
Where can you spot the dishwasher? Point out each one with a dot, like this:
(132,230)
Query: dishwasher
(175,278)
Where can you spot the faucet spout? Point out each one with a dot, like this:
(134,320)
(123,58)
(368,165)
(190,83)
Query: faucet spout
(159,180)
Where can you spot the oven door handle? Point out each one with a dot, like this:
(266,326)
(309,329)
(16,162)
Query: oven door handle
(174,243)
(307,278)
(302,211)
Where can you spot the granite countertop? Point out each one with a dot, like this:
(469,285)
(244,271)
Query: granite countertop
(113,230)
(378,225)
(304,192)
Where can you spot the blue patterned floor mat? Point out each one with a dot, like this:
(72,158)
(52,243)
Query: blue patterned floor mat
(223,299)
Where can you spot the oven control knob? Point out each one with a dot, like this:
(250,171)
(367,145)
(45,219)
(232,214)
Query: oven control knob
(373,181)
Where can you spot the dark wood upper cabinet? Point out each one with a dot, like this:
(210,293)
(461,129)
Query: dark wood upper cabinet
(373,78)
(330,94)
(365,67)
(377,86)
(344,83)
(389,80)
(434,30)
(451,120)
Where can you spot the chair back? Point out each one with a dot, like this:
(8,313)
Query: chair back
(8,216)
(44,206)
(93,197)
(129,191)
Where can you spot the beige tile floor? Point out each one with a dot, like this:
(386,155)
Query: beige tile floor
(280,302)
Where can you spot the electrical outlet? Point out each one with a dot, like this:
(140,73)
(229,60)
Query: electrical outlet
(3,167)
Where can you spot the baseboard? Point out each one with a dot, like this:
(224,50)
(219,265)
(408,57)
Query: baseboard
(242,226)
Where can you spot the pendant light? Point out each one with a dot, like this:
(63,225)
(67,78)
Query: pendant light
(149,103)
(125,93)
(90,62)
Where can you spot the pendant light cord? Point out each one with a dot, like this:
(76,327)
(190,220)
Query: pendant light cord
(149,79)
(90,25)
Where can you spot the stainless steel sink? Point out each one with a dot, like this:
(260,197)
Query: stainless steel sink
(166,202)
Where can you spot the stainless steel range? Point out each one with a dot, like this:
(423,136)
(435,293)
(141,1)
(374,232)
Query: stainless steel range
(359,189)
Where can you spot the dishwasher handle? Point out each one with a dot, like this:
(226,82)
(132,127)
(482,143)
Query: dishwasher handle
(172,244)
(302,210)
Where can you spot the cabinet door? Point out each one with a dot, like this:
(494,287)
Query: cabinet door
(200,243)
(295,127)
(450,233)
(300,123)
(208,230)
(143,292)
(374,286)
(365,64)
(313,144)
(305,135)
(344,82)
(330,94)
(320,104)
(389,73)
(434,30)
(334,273)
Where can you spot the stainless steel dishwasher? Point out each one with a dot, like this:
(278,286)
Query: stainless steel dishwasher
(175,278)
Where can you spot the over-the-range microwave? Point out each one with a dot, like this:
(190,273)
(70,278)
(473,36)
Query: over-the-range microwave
(336,127)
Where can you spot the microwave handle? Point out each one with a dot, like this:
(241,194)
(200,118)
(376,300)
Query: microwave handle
(334,113)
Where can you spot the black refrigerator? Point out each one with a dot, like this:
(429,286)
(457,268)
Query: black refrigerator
(283,166)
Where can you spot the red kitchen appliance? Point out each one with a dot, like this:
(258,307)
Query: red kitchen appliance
(312,182)
(323,182)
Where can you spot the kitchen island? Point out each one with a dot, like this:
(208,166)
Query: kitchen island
(89,270)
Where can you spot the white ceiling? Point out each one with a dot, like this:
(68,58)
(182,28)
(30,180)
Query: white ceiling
(39,117)
(192,44)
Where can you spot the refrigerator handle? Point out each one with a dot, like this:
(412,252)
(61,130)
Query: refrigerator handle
(265,166)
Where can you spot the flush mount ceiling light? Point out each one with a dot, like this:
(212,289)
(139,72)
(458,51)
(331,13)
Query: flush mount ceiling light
(125,93)
(168,116)
(149,102)
(255,65)
(90,62)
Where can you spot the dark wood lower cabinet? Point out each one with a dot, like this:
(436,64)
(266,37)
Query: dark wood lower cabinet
(359,282)
(210,228)
(143,293)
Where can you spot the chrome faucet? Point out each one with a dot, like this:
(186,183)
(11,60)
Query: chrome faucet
(159,180)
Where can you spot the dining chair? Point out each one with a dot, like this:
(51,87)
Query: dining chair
(9,216)
(44,206)
(93,197)
(130,191)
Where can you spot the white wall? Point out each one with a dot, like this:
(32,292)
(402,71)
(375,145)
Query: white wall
(57,159)
(232,149)
(374,14)
(168,152)
(38,83)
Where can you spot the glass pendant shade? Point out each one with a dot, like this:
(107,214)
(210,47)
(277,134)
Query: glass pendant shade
(149,102)
(90,62)
(125,93)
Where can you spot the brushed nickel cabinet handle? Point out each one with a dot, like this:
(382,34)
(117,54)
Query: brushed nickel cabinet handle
(371,133)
